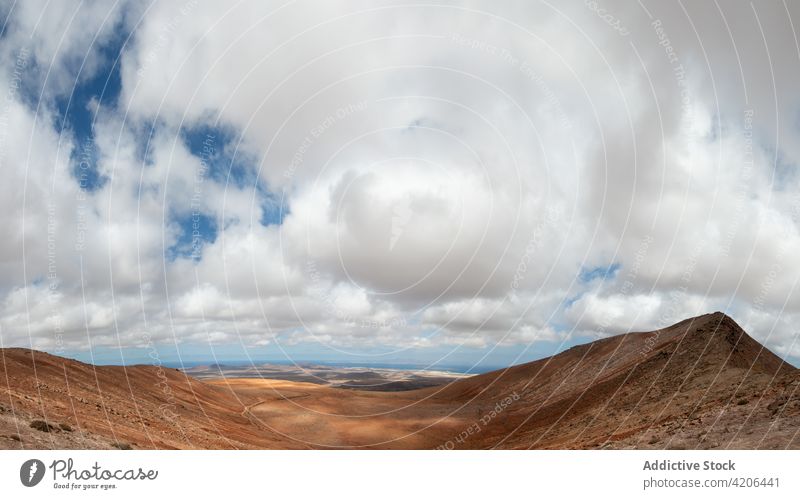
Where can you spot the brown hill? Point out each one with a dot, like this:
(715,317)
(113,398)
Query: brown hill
(77,405)
(701,383)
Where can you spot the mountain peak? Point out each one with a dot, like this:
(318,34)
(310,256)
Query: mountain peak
(718,338)
(722,317)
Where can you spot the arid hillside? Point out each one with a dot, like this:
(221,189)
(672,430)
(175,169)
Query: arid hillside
(52,402)
(701,383)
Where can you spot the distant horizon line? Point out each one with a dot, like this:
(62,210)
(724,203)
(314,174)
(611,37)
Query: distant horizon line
(460,368)
(463,367)
(423,366)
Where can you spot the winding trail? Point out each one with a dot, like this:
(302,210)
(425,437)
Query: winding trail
(246,411)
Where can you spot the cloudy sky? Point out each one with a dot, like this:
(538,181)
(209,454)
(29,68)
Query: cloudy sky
(452,182)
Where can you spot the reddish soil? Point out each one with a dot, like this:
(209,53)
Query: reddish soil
(112,406)
(702,383)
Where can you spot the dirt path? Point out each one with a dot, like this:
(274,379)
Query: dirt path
(248,408)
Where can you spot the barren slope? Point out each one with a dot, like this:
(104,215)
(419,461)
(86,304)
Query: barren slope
(702,383)
(106,406)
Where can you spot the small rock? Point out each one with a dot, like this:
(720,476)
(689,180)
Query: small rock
(42,426)
(776,404)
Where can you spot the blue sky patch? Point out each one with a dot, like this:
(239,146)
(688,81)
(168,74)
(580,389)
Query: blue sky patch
(76,117)
(216,148)
(273,208)
(196,230)
(143,134)
(589,274)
